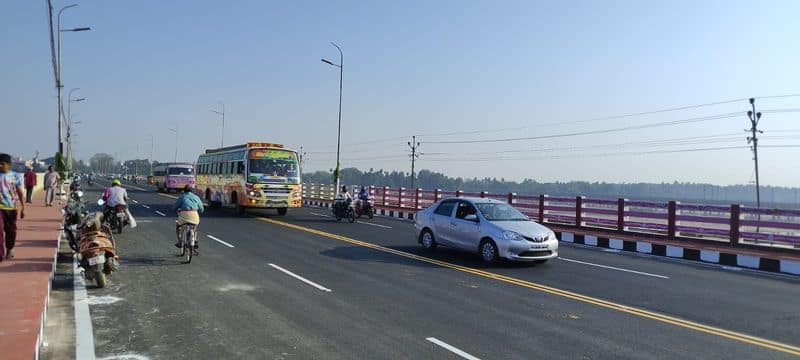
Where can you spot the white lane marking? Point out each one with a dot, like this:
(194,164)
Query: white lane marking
(219,241)
(143,221)
(145,206)
(84,337)
(731,268)
(134,201)
(374,224)
(615,268)
(323,215)
(298,277)
(615,251)
(160,213)
(452,348)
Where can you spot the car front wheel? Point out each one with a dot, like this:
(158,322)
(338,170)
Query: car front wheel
(488,251)
(427,240)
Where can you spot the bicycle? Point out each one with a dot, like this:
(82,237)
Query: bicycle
(188,240)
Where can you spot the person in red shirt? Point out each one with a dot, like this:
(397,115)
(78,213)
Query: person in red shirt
(30,183)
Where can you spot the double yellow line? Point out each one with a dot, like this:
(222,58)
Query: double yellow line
(733,335)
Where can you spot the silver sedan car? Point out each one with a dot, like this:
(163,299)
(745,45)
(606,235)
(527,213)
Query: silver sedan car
(491,228)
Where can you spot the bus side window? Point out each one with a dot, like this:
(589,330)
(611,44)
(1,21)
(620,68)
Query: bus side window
(231,167)
(240,167)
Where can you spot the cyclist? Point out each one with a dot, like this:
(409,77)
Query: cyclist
(189,207)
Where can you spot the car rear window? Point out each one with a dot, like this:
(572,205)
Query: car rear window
(445,208)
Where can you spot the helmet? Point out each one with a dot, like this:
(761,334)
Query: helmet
(344,188)
(115,182)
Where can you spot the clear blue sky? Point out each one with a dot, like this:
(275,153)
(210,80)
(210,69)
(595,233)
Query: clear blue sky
(417,67)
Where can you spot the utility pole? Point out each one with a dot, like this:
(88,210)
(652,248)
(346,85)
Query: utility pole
(754,119)
(413,145)
(302,159)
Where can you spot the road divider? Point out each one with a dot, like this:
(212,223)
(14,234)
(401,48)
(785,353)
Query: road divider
(219,241)
(298,277)
(452,348)
(614,268)
(632,310)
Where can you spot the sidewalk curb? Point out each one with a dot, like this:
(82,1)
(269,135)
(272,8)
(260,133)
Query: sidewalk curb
(43,317)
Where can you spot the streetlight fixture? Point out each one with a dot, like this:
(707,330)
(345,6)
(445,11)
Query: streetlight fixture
(175,130)
(221,113)
(340,65)
(59,85)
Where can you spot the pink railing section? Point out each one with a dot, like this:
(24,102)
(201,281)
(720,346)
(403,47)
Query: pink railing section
(735,224)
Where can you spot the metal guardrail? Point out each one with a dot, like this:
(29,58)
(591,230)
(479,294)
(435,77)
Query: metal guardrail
(734,224)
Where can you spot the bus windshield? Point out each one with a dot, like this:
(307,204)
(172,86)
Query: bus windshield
(272,166)
(180,171)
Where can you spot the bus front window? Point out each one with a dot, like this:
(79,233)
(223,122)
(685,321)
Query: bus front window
(272,166)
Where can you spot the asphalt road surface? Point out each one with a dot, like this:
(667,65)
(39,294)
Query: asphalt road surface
(303,286)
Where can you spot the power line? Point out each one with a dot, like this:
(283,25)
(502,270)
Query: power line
(604,131)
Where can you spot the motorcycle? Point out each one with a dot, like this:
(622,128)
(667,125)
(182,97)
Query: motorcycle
(344,209)
(365,207)
(90,181)
(98,251)
(73,214)
(116,218)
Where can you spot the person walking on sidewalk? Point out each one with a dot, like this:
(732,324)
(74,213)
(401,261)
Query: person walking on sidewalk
(50,184)
(30,183)
(10,192)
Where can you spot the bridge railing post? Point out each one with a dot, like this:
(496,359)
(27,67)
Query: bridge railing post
(579,211)
(416,198)
(510,198)
(672,209)
(736,212)
(385,190)
(483,194)
(436,194)
(621,214)
(400,192)
(541,208)
(458,193)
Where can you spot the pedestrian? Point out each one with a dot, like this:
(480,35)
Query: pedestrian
(30,183)
(10,192)
(50,183)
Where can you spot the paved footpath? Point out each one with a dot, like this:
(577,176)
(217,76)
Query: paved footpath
(25,280)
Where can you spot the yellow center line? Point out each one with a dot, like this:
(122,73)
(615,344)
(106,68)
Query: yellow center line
(733,335)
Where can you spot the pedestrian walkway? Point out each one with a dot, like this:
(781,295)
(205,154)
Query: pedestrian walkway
(25,280)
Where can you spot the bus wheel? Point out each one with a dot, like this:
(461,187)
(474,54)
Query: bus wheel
(282,211)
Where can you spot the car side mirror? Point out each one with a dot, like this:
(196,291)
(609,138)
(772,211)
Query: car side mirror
(471,217)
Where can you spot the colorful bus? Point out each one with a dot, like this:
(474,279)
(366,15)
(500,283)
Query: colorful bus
(158,175)
(174,176)
(252,175)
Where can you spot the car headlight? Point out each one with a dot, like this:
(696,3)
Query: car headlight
(510,235)
(552,236)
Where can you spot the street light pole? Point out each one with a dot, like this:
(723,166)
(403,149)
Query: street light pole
(59,84)
(754,118)
(337,176)
(152,142)
(222,113)
(69,127)
(175,130)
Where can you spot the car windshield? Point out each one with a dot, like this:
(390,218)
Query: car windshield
(180,171)
(500,212)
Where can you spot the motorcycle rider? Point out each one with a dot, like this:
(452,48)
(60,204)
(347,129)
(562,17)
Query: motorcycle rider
(343,199)
(189,207)
(363,197)
(115,195)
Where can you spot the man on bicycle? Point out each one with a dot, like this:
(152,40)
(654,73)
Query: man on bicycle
(189,207)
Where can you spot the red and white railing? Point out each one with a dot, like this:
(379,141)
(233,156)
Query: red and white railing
(735,224)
